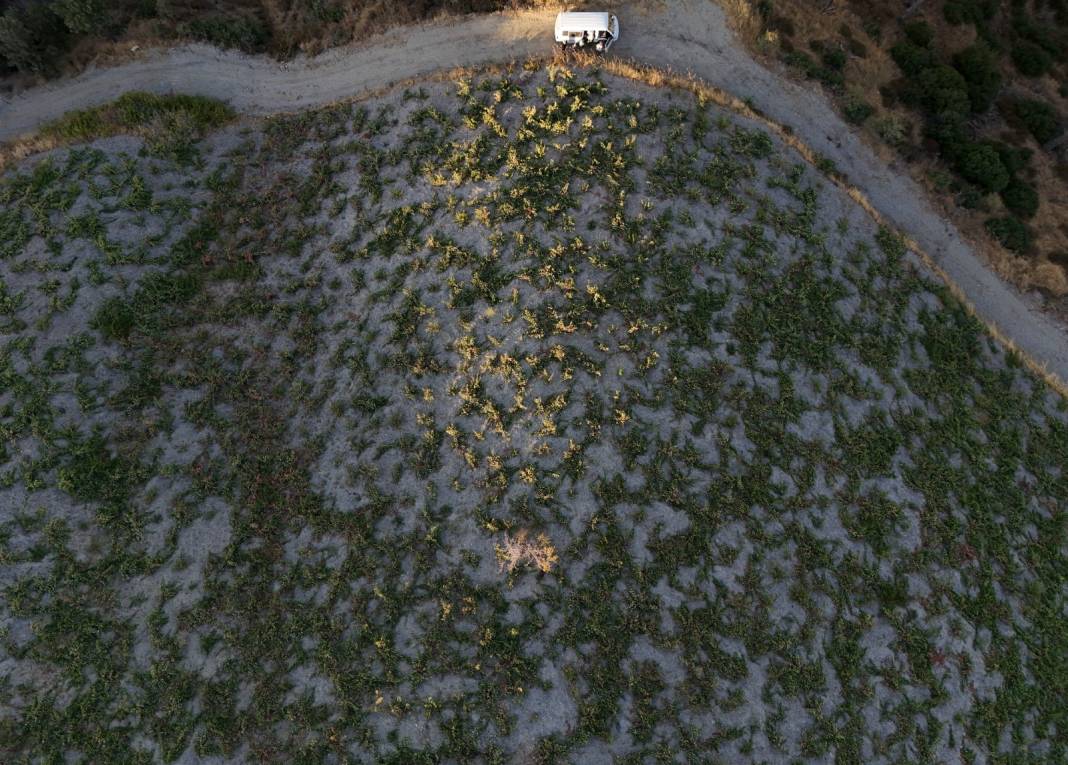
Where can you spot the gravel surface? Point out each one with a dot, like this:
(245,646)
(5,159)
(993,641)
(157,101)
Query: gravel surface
(685,35)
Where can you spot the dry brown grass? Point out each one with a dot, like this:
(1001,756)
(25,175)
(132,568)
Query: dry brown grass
(537,551)
(743,18)
(18,150)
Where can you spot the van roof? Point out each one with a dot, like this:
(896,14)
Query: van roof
(582,21)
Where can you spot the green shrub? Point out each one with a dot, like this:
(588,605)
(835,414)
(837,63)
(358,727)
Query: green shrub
(1015,158)
(31,38)
(969,11)
(801,60)
(949,132)
(981,164)
(835,59)
(1030,58)
(115,319)
(1012,233)
(91,474)
(812,68)
(1020,198)
(919,33)
(856,109)
(979,66)
(1040,119)
(161,290)
(246,34)
(81,16)
(1041,33)
(80,125)
(893,129)
(857,48)
(911,59)
(942,90)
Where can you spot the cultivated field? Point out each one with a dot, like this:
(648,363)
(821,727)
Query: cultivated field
(541,416)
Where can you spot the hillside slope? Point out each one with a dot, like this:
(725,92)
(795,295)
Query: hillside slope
(696,40)
(542,416)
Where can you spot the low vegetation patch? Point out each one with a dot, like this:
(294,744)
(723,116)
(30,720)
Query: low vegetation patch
(170,125)
(160,118)
(538,416)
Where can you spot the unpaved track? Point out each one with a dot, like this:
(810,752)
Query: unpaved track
(689,36)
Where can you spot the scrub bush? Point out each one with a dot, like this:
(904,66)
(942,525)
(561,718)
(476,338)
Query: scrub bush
(1040,119)
(1020,198)
(911,59)
(893,129)
(969,11)
(81,16)
(1030,58)
(979,66)
(241,32)
(31,38)
(835,59)
(856,109)
(1015,158)
(942,90)
(981,164)
(1012,233)
(948,131)
(919,33)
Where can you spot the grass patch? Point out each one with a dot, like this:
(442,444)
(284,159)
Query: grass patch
(162,119)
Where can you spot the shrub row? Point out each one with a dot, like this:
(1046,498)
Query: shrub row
(1035,46)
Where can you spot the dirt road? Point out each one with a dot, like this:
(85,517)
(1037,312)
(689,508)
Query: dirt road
(689,36)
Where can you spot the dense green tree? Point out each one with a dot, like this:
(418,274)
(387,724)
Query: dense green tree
(81,16)
(1030,58)
(31,38)
(978,65)
(1012,233)
(981,164)
(911,59)
(942,89)
(1020,198)
(969,11)
(1040,119)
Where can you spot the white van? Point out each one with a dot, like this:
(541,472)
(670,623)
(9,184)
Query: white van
(580,30)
